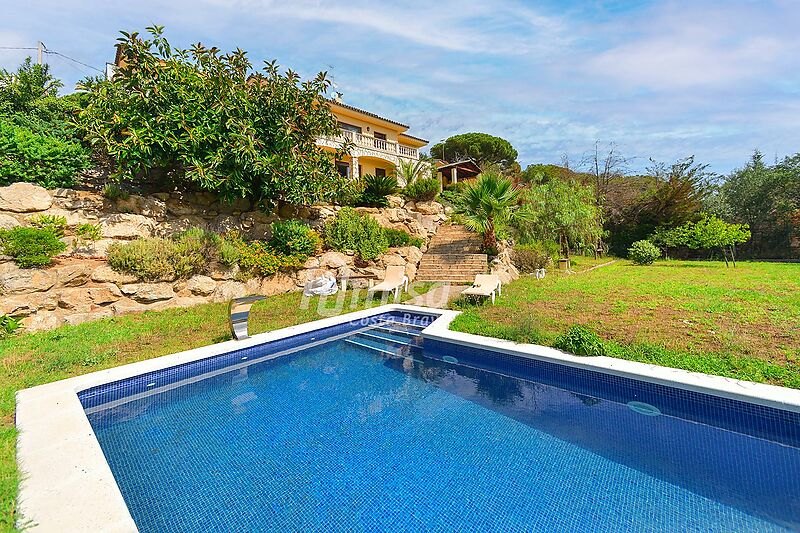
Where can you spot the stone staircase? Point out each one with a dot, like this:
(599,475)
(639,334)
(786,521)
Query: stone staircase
(453,255)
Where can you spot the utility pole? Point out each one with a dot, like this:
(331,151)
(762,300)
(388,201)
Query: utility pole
(39,51)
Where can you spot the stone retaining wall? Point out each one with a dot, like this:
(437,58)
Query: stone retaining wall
(80,285)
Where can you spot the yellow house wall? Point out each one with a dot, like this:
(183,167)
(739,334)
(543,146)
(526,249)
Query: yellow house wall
(364,124)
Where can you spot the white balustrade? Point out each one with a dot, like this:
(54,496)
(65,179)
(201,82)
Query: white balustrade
(373,143)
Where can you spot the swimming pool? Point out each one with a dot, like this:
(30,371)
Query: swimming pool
(372,425)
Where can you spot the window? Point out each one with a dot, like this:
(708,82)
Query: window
(343,168)
(378,135)
(349,127)
(380,172)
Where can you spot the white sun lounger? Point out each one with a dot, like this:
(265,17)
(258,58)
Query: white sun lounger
(487,285)
(393,281)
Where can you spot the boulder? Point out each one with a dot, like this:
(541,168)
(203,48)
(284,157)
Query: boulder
(126,305)
(393,259)
(229,290)
(83,299)
(15,280)
(73,275)
(148,292)
(127,226)
(311,262)
(334,260)
(412,254)
(24,198)
(72,199)
(106,274)
(395,201)
(222,272)
(8,222)
(202,285)
(429,208)
(20,306)
(179,207)
(277,284)
(41,322)
(140,205)
(80,318)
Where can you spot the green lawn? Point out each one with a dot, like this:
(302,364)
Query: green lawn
(739,322)
(34,359)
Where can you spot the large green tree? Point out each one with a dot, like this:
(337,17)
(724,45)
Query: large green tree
(767,198)
(560,211)
(207,118)
(485,149)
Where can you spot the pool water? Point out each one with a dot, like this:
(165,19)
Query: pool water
(376,431)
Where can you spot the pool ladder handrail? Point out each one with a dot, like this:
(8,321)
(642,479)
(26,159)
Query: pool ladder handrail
(239,313)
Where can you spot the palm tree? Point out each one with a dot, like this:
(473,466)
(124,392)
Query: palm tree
(407,172)
(489,201)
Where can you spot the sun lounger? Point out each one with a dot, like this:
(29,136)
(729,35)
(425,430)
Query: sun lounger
(487,285)
(393,281)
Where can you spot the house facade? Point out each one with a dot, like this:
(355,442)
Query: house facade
(378,144)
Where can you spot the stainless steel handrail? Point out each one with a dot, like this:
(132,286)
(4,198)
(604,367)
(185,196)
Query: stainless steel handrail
(239,312)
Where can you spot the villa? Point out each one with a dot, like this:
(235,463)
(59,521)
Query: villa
(378,144)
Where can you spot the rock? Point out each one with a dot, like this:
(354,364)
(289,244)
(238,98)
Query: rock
(73,275)
(222,272)
(411,253)
(395,201)
(140,205)
(15,280)
(170,227)
(71,199)
(226,223)
(126,305)
(277,284)
(202,285)
(229,290)
(41,322)
(312,262)
(177,206)
(106,274)
(8,222)
(148,292)
(104,295)
(334,260)
(127,226)
(429,222)
(89,299)
(24,198)
(239,205)
(20,306)
(429,208)
(393,259)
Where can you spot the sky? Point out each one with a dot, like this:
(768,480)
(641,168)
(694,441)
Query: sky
(659,79)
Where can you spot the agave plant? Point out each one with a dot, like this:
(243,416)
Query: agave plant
(488,202)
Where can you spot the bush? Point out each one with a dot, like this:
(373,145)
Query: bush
(292,237)
(422,189)
(56,224)
(31,247)
(8,325)
(352,232)
(530,257)
(258,259)
(47,161)
(579,340)
(643,253)
(112,191)
(376,189)
(148,259)
(398,237)
(86,233)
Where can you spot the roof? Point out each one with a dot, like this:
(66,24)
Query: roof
(470,163)
(369,114)
(420,139)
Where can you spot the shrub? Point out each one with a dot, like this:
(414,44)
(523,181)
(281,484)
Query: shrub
(376,189)
(56,224)
(530,257)
(422,189)
(86,233)
(147,259)
(398,237)
(8,325)
(47,161)
(258,259)
(579,340)
(352,232)
(112,191)
(643,253)
(31,247)
(292,237)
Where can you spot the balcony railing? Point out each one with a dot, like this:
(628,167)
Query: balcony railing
(373,143)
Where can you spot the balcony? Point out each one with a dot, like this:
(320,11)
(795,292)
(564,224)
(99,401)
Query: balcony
(369,144)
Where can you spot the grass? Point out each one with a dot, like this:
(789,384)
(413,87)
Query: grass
(739,322)
(33,359)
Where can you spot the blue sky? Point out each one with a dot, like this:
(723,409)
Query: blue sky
(660,79)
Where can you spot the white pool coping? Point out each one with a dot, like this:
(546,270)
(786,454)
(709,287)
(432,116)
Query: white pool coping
(67,484)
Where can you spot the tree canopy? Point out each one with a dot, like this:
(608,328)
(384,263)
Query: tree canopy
(488,203)
(206,118)
(485,149)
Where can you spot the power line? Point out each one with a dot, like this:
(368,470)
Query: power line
(53,52)
(17,48)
